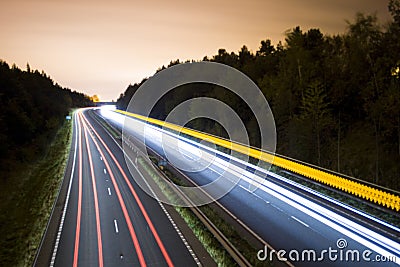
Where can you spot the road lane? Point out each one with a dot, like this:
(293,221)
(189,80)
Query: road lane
(138,201)
(79,209)
(96,202)
(127,218)
(105,210)
(158,232)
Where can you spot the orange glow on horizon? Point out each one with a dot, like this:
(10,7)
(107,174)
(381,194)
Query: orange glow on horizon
(107,45)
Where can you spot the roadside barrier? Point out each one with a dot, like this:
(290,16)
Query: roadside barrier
(358,189)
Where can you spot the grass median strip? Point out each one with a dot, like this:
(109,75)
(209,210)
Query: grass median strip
(109,128)
(210,243)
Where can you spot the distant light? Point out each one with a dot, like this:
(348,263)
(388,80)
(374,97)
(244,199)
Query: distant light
(95,98)
(68,118)
(107,110)
(396,71)
(108,107)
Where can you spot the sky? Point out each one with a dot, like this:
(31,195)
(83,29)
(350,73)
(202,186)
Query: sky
(102,46)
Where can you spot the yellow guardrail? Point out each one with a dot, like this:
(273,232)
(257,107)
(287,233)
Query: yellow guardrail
(374,195)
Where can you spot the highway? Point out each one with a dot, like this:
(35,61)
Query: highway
(106,219)
(282,218)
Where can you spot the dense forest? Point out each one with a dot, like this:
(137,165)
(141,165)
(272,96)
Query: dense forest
(33,108)
(335,99)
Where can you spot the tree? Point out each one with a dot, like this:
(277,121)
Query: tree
(245,58)
(394,9)
(266,48)
(335,99)
(224,57)
(33,108)
(315,107)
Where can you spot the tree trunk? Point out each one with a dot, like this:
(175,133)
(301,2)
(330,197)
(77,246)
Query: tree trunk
(299,70)
(398,130)
(318,142)
(376,123)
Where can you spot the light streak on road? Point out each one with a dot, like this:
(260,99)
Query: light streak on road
(361,234)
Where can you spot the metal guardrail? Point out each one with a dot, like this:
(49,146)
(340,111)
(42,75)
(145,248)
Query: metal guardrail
(377,196)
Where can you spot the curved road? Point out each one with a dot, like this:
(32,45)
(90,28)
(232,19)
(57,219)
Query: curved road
(307,233)
(107,220)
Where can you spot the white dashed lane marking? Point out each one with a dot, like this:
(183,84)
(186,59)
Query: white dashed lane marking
(116,226)
(298,220)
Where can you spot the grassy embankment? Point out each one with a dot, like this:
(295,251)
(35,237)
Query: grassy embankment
(26,200)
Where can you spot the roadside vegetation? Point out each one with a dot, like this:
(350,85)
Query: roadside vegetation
(34,145)
(335,99)
(27,200)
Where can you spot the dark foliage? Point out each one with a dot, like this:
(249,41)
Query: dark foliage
(335,99)
(32,110)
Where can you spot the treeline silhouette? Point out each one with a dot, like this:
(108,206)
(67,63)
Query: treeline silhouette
(335,99)
(33,108)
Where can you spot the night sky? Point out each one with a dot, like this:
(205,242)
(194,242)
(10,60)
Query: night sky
(100,47)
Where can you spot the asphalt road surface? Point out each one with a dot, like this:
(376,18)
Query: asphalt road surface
(107,220)
(308,234)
